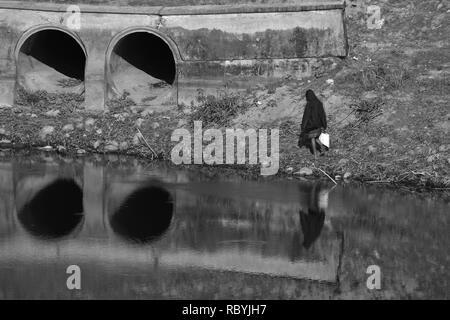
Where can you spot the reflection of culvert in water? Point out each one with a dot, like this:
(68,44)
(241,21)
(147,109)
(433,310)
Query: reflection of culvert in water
(55,211)
(145,215)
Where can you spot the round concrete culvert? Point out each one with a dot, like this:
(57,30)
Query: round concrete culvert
(50,61)
(142,67)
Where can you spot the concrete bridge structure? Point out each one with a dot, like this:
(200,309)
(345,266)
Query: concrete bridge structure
(160,55)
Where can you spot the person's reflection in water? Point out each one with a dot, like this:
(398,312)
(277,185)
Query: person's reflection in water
(144,216)
(55,211)
(313,219)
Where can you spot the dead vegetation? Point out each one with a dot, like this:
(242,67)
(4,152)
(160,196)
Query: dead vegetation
(365,111)
(379,76)
(120,103)
(69,82)
(42,100)
(218,109)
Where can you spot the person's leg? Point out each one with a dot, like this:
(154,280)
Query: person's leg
(321,146)
(313,143)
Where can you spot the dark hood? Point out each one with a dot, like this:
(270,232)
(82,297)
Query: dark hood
(314,114)
(310,96)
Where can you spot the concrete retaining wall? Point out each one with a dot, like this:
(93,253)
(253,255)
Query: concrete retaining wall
(212,46)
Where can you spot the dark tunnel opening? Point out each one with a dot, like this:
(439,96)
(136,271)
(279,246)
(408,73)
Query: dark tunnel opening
(55,211)
(148,53)
(57,50)
(144,216)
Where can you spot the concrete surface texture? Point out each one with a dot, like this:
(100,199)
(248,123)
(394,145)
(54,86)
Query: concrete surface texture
(233,43)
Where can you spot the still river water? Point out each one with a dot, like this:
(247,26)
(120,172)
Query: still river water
(155,231)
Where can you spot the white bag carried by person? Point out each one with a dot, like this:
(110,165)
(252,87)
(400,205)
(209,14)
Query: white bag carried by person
(324,138)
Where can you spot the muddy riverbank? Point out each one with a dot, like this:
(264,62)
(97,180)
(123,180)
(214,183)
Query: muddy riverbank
(80,133)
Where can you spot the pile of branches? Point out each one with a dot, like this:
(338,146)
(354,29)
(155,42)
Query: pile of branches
(367,110)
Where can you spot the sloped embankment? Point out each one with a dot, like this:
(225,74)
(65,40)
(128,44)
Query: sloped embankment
(387,103)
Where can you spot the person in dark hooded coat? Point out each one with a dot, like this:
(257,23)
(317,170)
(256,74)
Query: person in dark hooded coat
(314,122)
